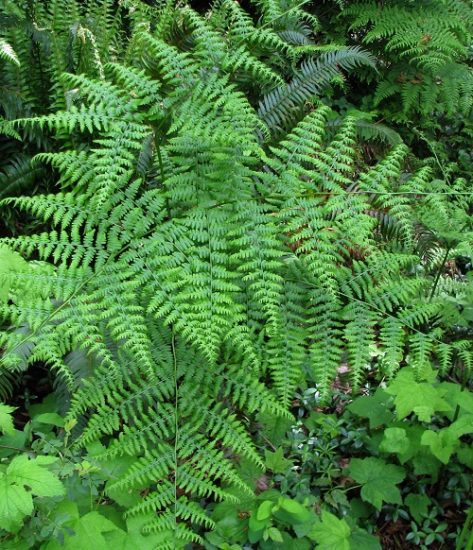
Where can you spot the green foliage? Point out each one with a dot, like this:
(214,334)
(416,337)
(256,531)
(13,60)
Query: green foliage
(17,501)
(209,240)
(426,45)
(427,400)
(274,520)
(378,480)
(334,533)
(369,466)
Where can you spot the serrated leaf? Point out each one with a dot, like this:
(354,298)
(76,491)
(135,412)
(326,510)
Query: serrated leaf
(15,504)
(462,426)
(442,443)
(8,53)
(374,407)
(331,533)
(378,480)
(9,262)
(418,506)
(362,540)
(395,440)
(421,398)
(6,419)
(90,532)
(465,456)
(27,472)
(276,462)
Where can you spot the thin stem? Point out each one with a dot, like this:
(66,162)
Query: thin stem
(463,386)
(466,527)
(176,427)
(17,449)
(439,272)
(160,160)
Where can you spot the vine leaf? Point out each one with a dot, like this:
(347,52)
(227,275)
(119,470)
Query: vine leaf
(420,398)
(15,504)
(43,483)
(418,506)
(442,443)
(276,462)
(374,407)
(331,532)
(335,534)
(378,480)
(395,441)
(23,479)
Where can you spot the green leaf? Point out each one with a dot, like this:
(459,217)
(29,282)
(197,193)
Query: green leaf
(442,443)
(378,479)
(8,53)
(465,400)
(274,427)
(418,506)
(276,461)
(331,533)
(89,532)
(374,407)
(298,512)
(395,440)
(135,530)
(421,398)
(6,419)
(275,534)
(49,418)
(455,395)
(10,442)
(42,482)
(465,456)
(303,529)
(264,510)
(256,528)
(362,540)
(462,426)
(15,504)
(23,479)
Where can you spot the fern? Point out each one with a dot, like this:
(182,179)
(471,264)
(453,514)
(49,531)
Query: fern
(426,44)
(203,257)
(8,53)
(283,106)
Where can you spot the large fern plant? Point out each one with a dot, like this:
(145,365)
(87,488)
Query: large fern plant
(426,52)
(208,260)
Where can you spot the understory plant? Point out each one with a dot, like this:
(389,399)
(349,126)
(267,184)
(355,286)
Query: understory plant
(215,243)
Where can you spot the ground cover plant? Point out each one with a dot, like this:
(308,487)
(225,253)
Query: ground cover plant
(236,289)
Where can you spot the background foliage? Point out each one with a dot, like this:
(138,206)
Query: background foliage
(236,274)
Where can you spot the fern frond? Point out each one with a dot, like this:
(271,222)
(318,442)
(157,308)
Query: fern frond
(282,107)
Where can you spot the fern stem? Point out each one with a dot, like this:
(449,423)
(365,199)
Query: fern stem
(463,386)
(160,161)
(439,272)
(176,427)
(158,151)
